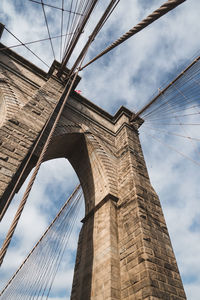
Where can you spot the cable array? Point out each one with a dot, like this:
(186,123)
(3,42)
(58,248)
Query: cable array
(76,24)
(158,13)
(179,105)
(74,17)
(181,96)
(175,111)
(35,276)
(25,45)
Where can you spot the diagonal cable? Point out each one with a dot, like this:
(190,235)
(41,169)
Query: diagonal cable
(58,225)
(33,42)
(46,22)
(165,8)
(111,6)
(174,149)
(27,47)
(56,7)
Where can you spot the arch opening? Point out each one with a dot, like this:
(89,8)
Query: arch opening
(54,184)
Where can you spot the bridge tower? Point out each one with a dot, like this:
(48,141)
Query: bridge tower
(124,250)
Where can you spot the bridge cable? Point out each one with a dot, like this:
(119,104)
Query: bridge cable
(176,100)
(158,13)
(33,42)
(61,29)
(72,25)
(26,47)
(56,7)
(76,23)
(177,117)
(169,88)
(73,42)
(172,148)
(36,274)
(171,133)
(111,6)
(47,26)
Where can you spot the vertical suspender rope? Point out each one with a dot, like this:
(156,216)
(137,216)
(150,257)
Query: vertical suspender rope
(30,184)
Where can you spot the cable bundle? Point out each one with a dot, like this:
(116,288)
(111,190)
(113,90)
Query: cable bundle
(175,112)
(181,96)
(34,278)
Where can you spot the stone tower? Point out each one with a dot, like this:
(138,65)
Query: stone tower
(124,250)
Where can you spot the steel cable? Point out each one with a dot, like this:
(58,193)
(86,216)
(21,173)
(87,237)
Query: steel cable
(26,47)
(96,30)
(172,148)
(45,256)
(158,13)
(61,29)
(154,100)
(33,42)
(56,7)
(68,52)
(47,26)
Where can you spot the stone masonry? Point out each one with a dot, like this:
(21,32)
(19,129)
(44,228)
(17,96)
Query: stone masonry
(124,250)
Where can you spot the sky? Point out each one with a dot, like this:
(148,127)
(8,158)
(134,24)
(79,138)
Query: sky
(128,76)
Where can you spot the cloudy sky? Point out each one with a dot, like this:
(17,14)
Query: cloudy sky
(128,76)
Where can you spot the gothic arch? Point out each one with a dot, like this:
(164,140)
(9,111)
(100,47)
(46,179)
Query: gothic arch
(94,166)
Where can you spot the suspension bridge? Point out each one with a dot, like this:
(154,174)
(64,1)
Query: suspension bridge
(173,104)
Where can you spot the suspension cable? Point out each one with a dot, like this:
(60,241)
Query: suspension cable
(26,47)
(61,30)
(80,30)
(187,89)
(47,26)
(56,7)
(33,42)
(165,8)
(172,148)
(165,89)
(96,30)
(75,192)
(171,133)
(68,24)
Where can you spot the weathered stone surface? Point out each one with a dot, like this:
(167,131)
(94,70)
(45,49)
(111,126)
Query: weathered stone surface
(124,250)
